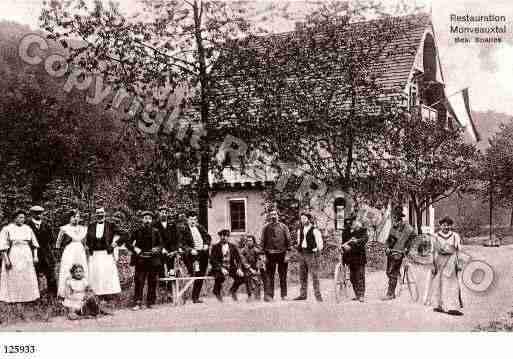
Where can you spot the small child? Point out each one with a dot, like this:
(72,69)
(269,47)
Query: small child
(253,264)
(80,299)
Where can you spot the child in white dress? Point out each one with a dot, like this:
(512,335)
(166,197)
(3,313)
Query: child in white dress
(79,298)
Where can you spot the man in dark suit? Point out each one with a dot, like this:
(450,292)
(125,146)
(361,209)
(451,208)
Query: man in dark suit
(45,238)
(194,240)
(398,245)
(168,234)
(146,245)
(102,237)
(354,239)
(226,260)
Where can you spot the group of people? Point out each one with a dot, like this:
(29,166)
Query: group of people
(88,271)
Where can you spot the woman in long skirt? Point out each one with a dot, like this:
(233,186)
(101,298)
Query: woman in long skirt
(447,272)
(74,252)
(18,248)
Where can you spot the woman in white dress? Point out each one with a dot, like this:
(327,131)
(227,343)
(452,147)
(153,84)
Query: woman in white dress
(74,252)
(18,248)
(446,269)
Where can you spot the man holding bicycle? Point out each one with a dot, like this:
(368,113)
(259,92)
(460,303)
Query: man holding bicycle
(354,239)
(398,245)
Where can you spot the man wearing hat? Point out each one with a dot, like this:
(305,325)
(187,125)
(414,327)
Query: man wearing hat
(309,247)
(398,245)
(226,260)
(354,239)
(195,241)
(100,241)
(45,238)
(146,245)
(168,234)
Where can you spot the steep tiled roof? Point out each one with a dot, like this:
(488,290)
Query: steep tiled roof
(395,41)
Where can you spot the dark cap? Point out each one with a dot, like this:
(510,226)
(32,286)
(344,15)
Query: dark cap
(147,213)
(397,211)
(223,232)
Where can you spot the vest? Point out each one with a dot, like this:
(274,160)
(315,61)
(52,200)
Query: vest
(401,237)
(310,240)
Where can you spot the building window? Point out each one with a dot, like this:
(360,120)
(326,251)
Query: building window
(237,215)
(429,113)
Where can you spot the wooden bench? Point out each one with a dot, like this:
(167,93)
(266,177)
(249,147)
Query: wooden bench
(177,292)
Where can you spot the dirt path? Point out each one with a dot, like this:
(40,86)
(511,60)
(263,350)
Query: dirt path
(374,315)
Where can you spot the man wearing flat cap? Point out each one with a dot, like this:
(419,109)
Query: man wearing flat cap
(45,238)
(354,240)
(226,261)
(398,245)
(146,246)
(102,237)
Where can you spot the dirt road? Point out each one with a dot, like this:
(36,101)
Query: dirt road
(374,315)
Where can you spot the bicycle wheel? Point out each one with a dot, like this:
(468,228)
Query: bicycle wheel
(400,284)
(339,281)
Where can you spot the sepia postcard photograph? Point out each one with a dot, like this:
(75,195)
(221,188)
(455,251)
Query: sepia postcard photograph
(255,166)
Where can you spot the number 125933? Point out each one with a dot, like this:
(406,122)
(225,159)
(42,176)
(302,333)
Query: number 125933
(18,349)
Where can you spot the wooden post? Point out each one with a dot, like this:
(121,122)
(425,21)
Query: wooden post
(491,213)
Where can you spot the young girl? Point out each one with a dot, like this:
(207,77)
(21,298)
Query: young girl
(79,298)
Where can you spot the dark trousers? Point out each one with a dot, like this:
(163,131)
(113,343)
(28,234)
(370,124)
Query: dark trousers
(309,262)
(145,271)
(220,278)
(357,278)
(46,268)
(254,283)
(276,260)
(202,258)
(394,262)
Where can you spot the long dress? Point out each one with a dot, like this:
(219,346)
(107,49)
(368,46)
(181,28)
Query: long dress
(74,253)
(18,284)
(447,280)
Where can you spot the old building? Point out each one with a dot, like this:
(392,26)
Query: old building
(408,66)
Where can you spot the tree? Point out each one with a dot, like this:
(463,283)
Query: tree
(427,160)
(323,84)
(170,43)
(496,170)
(48,134)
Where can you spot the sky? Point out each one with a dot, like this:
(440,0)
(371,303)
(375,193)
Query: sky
(487,69)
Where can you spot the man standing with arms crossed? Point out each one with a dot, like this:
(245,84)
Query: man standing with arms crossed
(275,242)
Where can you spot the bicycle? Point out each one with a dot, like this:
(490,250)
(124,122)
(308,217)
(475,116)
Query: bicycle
(341,279)
(171,275)
(408,279)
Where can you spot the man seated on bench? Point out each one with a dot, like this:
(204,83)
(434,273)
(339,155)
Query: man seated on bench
(195,241)
(225,260)
(253,266)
